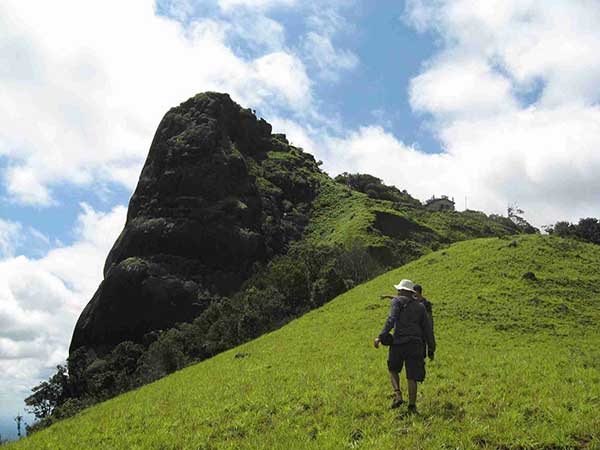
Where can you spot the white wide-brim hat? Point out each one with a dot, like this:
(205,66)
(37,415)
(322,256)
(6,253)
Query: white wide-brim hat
(405,285)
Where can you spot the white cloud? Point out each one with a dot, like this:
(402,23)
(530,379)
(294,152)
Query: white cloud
(297,134)
(372,150)
(328,60)
(257,31)
(40,301)
(255,4)
(461,88)
(26,184)
(83,111)
(180,10)
(556,43)
(320,53)
(282,76)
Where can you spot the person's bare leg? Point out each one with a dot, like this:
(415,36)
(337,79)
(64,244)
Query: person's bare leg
(395,379)
(412,392)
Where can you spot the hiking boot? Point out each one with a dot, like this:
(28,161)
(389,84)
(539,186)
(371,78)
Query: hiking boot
(397,402)
(412,409)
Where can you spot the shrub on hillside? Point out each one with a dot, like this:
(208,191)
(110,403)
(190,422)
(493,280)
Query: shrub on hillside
(163,356)
(562,229)
(48,394)
(586,230)
(374,188)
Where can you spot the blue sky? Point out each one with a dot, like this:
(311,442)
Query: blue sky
(495,101)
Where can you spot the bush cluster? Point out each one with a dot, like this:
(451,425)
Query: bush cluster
(586,230)
(375,188)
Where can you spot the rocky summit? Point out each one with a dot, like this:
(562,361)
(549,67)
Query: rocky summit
(209,206)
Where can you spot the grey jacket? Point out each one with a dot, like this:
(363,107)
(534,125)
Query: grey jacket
(410,322)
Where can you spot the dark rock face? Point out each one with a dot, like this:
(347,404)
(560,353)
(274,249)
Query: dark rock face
(211,203)
(397,226)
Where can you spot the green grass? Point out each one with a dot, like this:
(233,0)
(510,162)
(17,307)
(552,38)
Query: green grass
(517,367)
(341,215)
(462,225)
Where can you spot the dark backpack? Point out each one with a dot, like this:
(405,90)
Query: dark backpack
(388,339)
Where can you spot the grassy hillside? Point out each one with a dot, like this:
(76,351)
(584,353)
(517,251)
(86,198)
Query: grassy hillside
(517,367)
(394,231)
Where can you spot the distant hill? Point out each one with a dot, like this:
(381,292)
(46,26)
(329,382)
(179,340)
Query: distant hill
(517,367)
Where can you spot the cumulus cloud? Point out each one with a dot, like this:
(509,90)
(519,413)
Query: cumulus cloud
(40,301)
(83,110)
(530,41)
(284,77)
(461,88)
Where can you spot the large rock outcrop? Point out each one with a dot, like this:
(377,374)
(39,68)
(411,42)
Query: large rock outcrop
(214,201)
(219,199)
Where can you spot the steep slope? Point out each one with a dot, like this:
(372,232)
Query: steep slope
(517,367)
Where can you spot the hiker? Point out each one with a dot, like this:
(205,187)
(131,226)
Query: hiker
(428,307)
(411,325)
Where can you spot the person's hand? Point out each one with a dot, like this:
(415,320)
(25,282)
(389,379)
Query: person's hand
(381,297)
(431,357)
(376,342)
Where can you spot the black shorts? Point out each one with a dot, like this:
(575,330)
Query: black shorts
(410,353)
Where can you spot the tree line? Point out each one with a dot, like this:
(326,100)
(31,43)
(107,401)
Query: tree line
(586,230)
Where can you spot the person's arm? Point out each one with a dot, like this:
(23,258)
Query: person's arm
(383,297)
(391,320)
(428,331)
(430,312)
